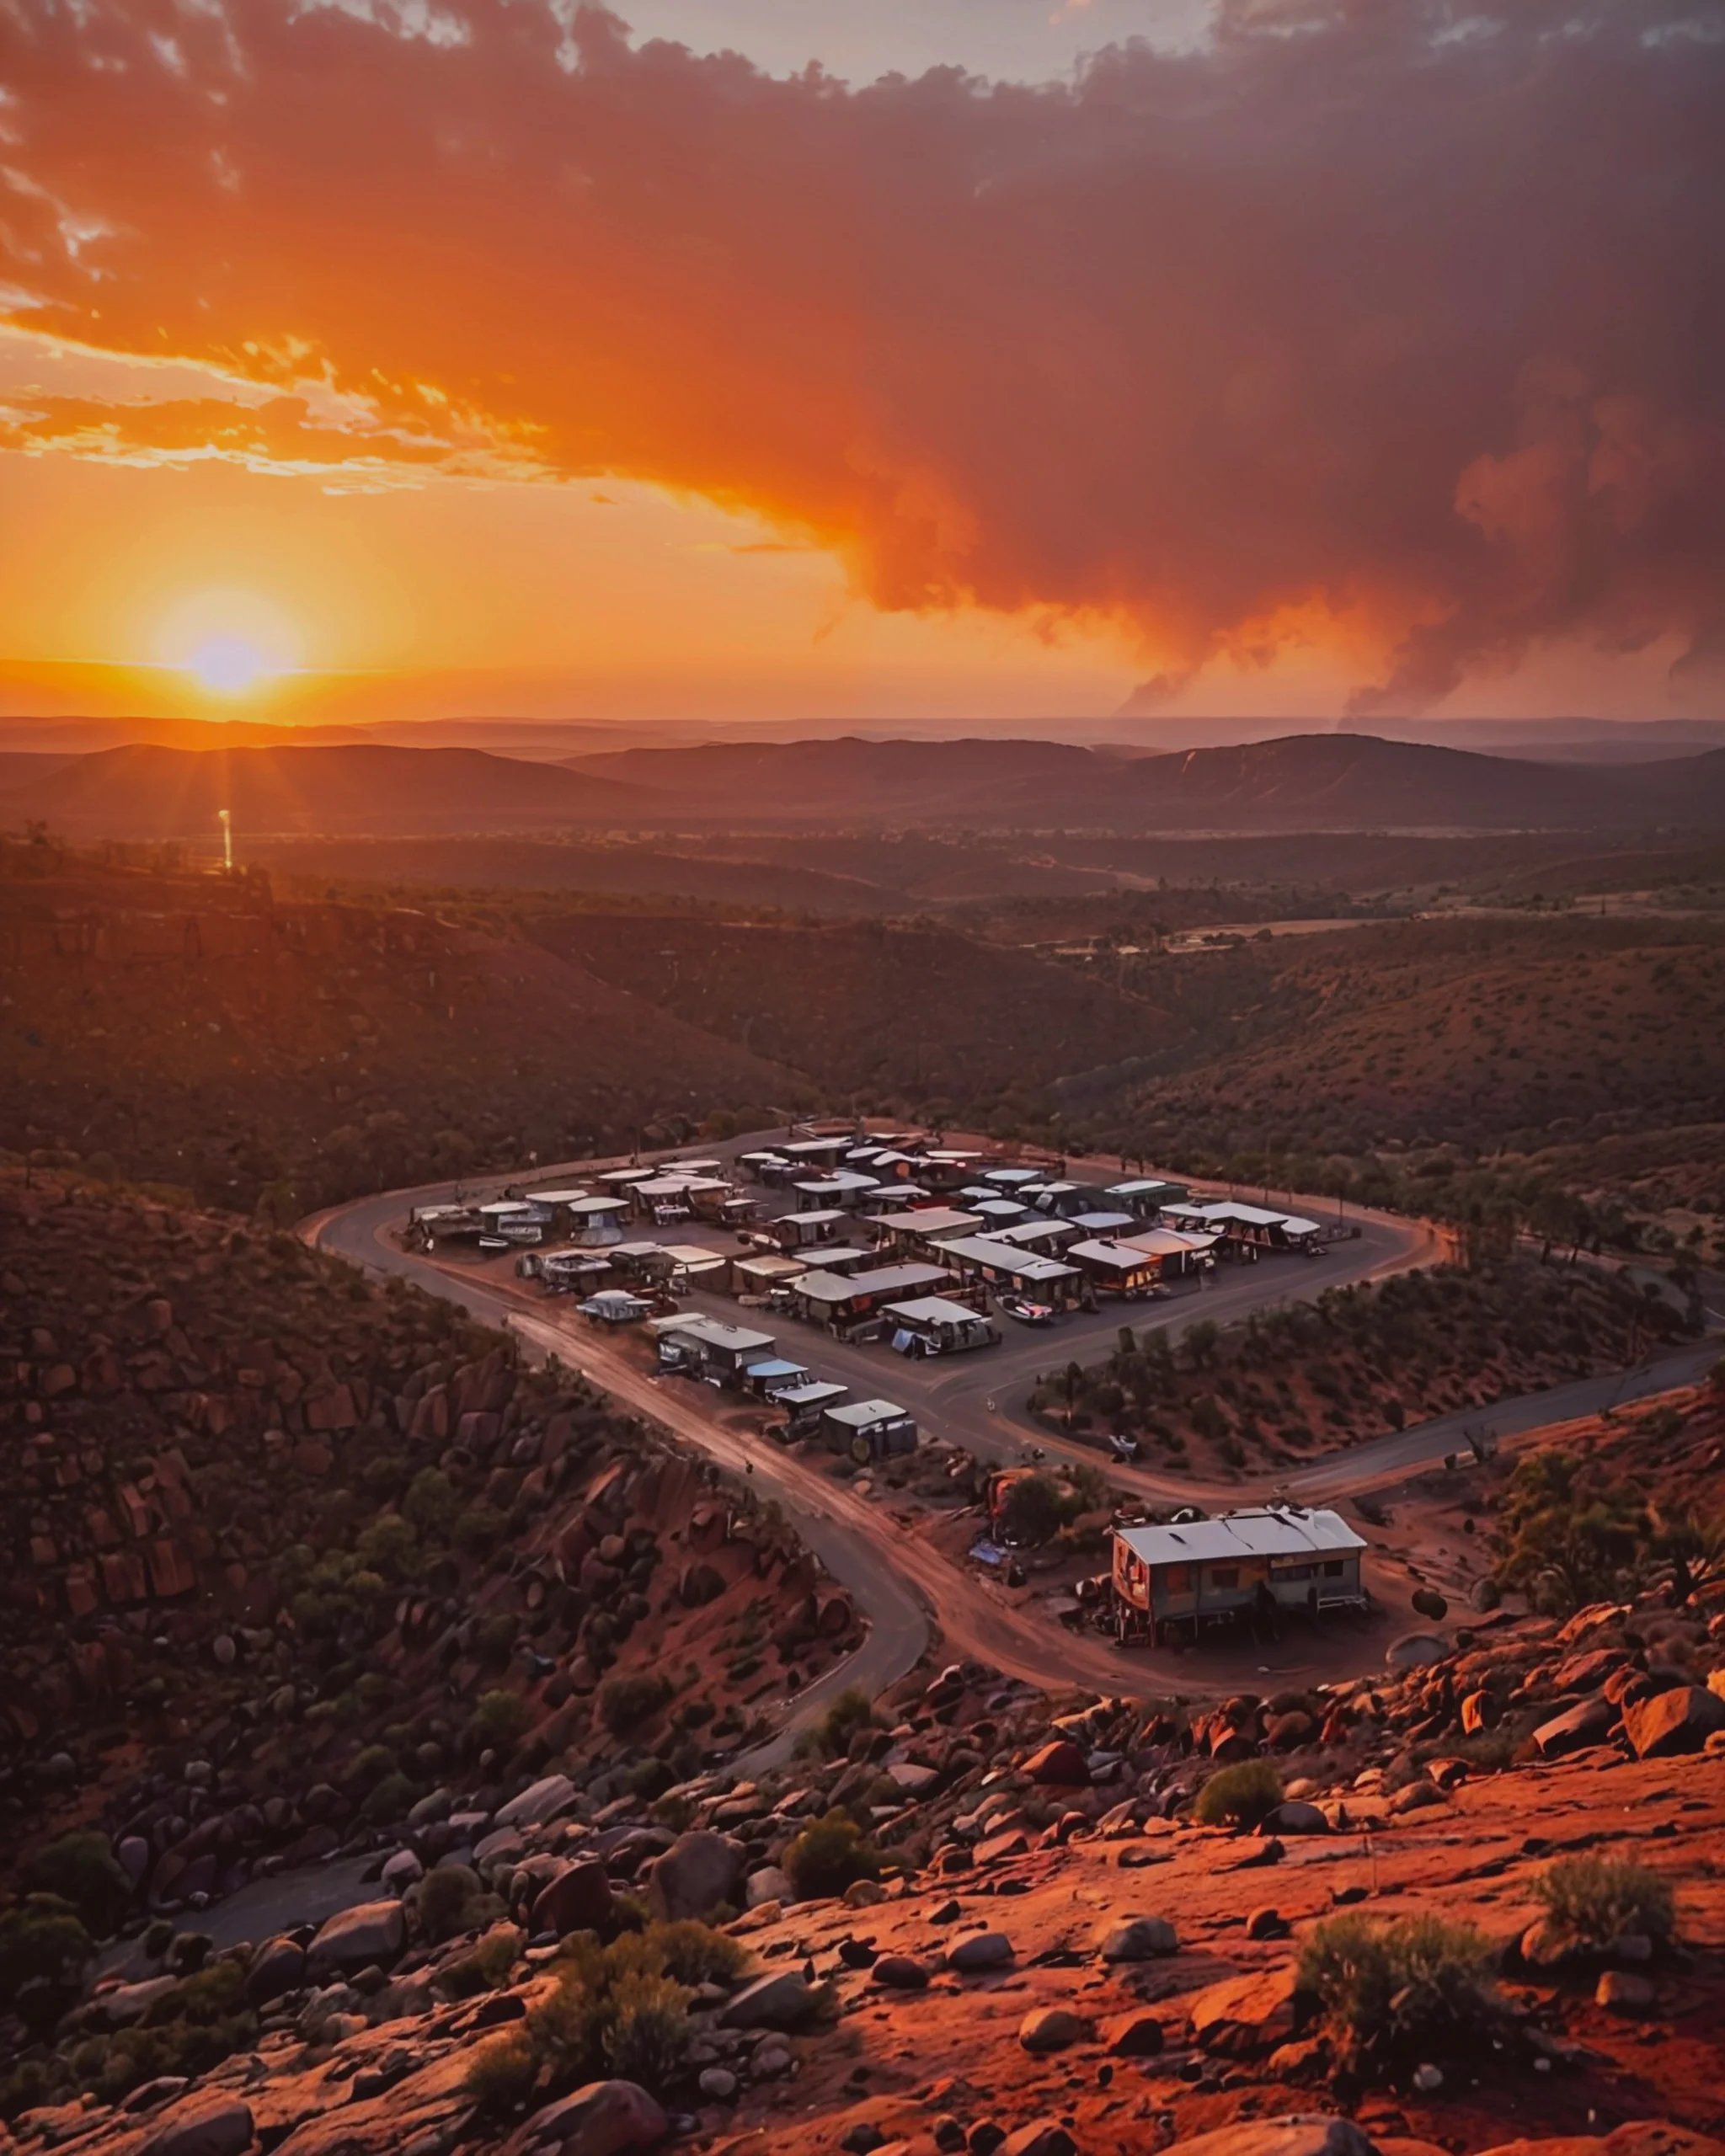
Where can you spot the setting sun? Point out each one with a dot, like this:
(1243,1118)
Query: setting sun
(229,666)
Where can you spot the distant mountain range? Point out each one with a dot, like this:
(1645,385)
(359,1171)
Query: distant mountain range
(1304,782)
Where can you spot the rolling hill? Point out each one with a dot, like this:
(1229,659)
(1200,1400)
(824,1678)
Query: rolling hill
(149,792)
(1318,782)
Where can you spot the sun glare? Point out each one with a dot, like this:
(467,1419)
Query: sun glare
(227,666)
(230,643)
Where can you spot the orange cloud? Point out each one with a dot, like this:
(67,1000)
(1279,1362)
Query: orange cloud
(1404,319)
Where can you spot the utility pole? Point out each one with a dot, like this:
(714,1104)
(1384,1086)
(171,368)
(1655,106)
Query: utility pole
(227,822)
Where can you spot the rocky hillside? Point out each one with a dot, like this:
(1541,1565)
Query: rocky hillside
(1471,1905)
(285,1552)
(188,1030)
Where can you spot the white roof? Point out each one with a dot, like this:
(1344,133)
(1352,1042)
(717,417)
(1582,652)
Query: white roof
(861,1412)
(1007,1257)
(816,1218)
(1271,1531)
(811,1395)
(1164,1242)
(932,1310)
(932,1220)
(1126,1257)
(711,1332)
(555,1197)
(1138,1184)
(627,1175)
(1253,1216)
(844,1180)
(500,1205)
(694,1258)
(840,1288)
(599,1205)
(1010,1176)
(1099,1224)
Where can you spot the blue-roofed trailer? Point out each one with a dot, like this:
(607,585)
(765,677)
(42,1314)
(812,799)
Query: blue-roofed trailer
(1173,1582)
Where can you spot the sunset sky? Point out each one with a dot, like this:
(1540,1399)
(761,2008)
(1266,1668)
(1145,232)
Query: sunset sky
(951,359)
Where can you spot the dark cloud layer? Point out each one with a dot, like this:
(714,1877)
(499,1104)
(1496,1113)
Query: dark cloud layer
(1400,324)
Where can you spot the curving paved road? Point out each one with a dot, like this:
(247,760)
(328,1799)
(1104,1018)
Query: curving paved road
(902,1584)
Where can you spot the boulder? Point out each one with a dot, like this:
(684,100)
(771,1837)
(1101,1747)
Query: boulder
(1288,2135)
(769,1884)
(1138,1939)
(1245,2016)
(1591,1722)
(696,1873)
(374,1931)
(1041,2138)
(1059,1765)
(1418,1796)
(1293,1816)
(1678,1720)
(982,1949)
(1622,1991)
(1417,1651)
(780,2000)
(1137,2034)
(577,1899)
(900,1972)
(1050,2029)
(221,2128)
(604,2119)
(277,1966)
(401,1870)
(540,1801)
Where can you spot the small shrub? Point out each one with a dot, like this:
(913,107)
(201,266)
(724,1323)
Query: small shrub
(694,1953)
(1597,1900)
(448,1896)
(647,2039)
(626,1702)
(829,1854)
(373,1764)
(478,1530)
(502,2073)
(488,1967)
(1386,1992)
(498,1720)
(81,1870)
(1240,1795)
(850,1712)
(393,1798)
(42,1943)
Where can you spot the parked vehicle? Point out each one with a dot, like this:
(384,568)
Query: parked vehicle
(1024,1310)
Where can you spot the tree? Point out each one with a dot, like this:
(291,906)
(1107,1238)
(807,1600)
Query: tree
(1201,1342)
(1029,1513)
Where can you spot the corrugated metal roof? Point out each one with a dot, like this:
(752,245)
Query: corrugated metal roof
(1270,1532)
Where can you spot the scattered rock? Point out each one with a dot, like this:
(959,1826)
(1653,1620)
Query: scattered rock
(604,2119)
(697,1873)
(780,2000)
(1267,1923)
(769,1884)
(1137,2034)
(374,1931)
(1246,2016)
(276,1968)
(1041,2138)
(1292,1815)
(1623,1992)
(1059,1764)
(543,1801)
(717,2084)
(577,1899)
(221,2128)
(982,1949)
(1672,1722)
(1050,2029)
(1138,1939)
(900,1972)
(1290,2136)
(1591,1722)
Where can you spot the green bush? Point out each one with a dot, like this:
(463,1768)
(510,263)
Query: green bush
(503,2072)
(829,1854)
(852,1711)
(693,1953)
(431,1503)
(488,1967)
(498,1720)
(617,2009)
(626,1702)
(392,1798)
(448,1896)
(373,1764)
(1386,1993)
(1240,1795)
(82,1870)
(42,1943)
(1597,1900)
(477,1531)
